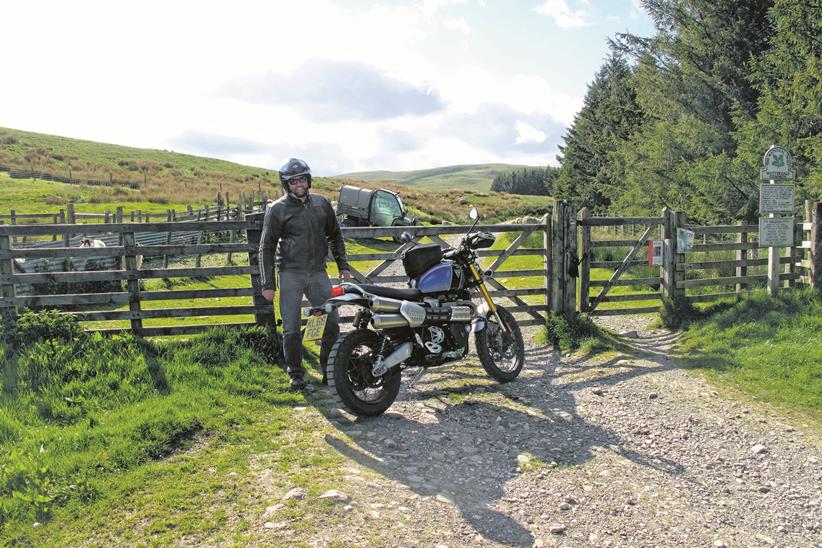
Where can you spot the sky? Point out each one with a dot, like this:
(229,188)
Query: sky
(347,85)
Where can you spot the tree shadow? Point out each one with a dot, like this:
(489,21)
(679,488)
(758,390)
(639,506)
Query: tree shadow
(467,451)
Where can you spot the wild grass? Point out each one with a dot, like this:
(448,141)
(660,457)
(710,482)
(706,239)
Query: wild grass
(767,347)
(466,177)
(87,421)
(168,180)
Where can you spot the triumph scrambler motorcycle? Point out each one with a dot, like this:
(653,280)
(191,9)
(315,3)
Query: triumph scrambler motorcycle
(423,326)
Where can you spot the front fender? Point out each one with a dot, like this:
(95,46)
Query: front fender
(479,322)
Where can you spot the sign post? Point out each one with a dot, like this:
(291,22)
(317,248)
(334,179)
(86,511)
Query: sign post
(776,232)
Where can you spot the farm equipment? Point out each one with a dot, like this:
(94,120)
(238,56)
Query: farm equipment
(369,207)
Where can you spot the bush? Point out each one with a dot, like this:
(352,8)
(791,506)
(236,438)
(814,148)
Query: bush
(47,325)
(568,333)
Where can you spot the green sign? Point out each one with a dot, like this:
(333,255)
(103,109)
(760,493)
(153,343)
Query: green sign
(778,163)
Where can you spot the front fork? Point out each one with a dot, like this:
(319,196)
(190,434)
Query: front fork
(487,296)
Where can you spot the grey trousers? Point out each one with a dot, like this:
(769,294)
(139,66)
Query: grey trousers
(316,287)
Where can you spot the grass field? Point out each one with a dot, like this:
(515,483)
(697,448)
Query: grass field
(89,424)
(769,348)
(467,177)
(169,180)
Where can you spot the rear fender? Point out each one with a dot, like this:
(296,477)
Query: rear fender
(346,299)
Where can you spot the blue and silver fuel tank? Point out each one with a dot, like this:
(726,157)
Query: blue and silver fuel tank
(437,278)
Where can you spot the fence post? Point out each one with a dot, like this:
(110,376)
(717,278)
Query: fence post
(816,247)
(679,258)
(8,291)
(563,295)
(669,277)
(585,260)
(253,233)
(133,283)
(571,261)
(118,218)
(546,261)
(558,279)
(71,219)
(13,216)
(170,217)
(741,255)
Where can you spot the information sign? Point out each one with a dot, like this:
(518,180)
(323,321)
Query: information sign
(778,163)
(684,240)
(776,231)
(776,198)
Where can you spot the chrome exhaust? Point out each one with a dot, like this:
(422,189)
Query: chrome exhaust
(387,321)
(384,304)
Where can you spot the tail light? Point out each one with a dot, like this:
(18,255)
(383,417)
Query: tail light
(337,291)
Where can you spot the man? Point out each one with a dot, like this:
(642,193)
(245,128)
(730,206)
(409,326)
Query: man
(297,231)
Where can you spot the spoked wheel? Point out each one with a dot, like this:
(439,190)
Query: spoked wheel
(350,364)
(501,352)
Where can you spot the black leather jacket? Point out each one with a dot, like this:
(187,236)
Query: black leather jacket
(299,234)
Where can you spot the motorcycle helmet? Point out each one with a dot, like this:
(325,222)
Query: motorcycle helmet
(294,168)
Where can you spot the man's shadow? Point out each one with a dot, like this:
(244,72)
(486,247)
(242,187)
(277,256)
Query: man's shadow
(471,448)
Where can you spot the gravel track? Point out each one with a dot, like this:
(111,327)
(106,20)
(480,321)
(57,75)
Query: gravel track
(630,451)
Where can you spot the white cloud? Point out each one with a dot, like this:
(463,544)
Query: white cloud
(526,133)
(563,16)
(431,7)
(458,24)
(155,76)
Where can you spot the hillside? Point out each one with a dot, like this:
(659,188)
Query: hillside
(156,179)
(466,177)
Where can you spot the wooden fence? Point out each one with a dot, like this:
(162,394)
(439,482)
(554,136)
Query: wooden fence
(723,261)
(554,274)
(128,301)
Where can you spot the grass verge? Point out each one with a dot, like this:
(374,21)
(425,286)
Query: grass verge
(767,347)
(92,427)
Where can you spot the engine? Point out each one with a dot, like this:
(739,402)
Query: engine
(441,326)
(446,328)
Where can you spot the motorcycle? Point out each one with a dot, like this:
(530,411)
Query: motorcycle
(425,325)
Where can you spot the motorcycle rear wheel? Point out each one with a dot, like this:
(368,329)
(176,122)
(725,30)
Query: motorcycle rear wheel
(502,354)
(349,374)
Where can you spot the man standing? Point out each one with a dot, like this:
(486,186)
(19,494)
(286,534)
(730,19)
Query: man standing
(297,231)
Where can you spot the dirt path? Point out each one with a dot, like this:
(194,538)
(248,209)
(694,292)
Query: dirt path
(629,451)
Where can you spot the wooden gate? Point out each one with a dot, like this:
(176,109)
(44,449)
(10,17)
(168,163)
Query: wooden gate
(591,258)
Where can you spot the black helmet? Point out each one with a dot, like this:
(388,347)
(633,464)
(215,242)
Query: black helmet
(294,168)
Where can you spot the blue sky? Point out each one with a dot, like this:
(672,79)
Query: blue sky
(349,85)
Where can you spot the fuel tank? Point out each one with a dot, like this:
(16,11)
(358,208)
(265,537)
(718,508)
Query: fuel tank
(442,277)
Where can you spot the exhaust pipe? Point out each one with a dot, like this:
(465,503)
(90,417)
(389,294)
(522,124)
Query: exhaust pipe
(384,304)
(387,321)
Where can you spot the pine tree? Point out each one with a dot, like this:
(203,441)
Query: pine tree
(589,174)
(692,83)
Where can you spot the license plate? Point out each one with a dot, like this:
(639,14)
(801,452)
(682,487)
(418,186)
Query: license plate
(314,326)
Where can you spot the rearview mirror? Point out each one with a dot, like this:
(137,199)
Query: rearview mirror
(473,213)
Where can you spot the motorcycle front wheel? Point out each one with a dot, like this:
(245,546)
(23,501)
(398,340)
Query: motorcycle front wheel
(501,352)
(350,363)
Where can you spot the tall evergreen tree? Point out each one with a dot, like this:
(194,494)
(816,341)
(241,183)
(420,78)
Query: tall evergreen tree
(789,78)
(590,174)
(692,83)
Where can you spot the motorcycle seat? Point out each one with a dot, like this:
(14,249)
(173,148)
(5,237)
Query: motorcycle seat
(411,294)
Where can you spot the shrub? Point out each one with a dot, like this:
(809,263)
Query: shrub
(46,325)
(568,333)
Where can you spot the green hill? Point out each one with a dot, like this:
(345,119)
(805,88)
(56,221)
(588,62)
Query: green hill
(104,176)
(466,177)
